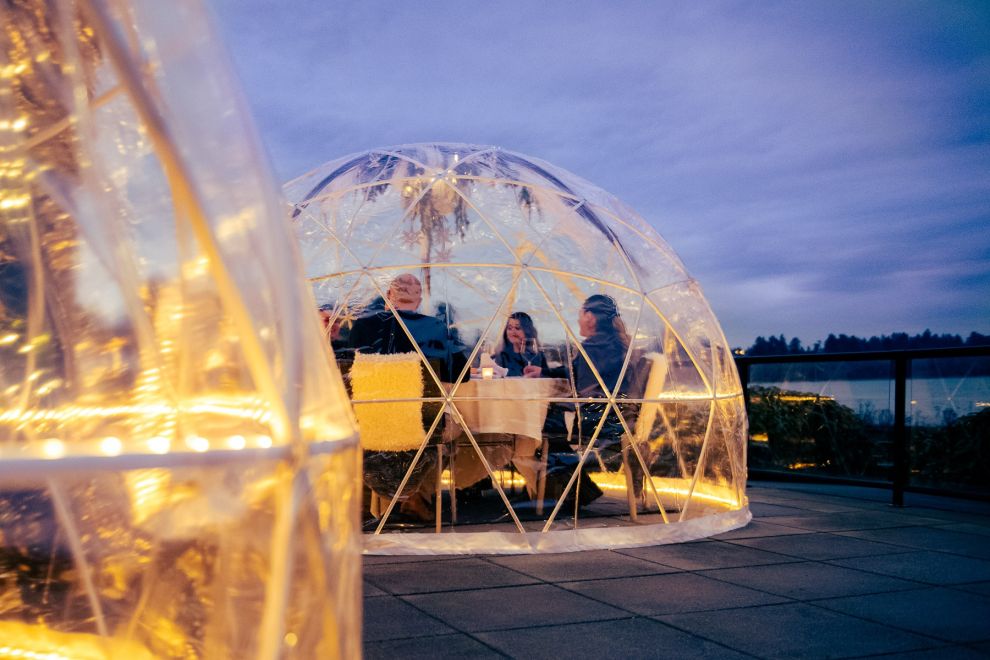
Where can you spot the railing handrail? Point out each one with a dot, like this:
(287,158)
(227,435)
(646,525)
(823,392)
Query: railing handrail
(901,360)
(868,356)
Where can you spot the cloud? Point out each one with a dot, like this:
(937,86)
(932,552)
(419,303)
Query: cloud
(819,168)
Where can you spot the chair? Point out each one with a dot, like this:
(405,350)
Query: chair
(387,392)
(650,373)
(649,389)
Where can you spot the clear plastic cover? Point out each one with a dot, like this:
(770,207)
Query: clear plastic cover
(561,380)
(178,474)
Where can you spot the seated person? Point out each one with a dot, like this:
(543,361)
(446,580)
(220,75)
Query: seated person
(606,344)
(520,349)
(519,353)
(381,332)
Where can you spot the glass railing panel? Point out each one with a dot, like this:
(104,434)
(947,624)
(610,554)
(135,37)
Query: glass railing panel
(948,413)
(824,418)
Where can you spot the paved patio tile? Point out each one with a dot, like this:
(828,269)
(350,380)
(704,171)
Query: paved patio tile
(674,592)
(943,613)
(968,528)
(371,590)
(981,588)
(852,520)
(374,560)
(467,573)
(808,580)
(927,567)
(930,538)
(581,565)
(512,607)
(707,554)
(816,506)
(759,528)
(866,500)
(626,638)
(820,546)
(767,510)
(983,648)
(796,630)
(429,648)
(390,618)
(953,652)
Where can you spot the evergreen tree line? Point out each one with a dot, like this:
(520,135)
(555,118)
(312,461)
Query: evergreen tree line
(851,343)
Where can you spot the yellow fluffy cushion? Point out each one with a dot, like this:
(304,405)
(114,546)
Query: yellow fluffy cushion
(379,383)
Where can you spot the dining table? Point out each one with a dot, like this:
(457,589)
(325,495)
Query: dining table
(505,417)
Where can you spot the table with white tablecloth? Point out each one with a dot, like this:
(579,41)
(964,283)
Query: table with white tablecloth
(505,416)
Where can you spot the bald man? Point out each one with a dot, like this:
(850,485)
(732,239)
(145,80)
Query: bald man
(380,332)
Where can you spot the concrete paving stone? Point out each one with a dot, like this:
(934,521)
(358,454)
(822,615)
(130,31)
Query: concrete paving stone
(968,528)
(834,492)
(820,546)
(981,588)
(429,648)
(673,592)
(949,517)
(759,528)
(982,648)
(819,507)
(589,565)
(390,618)
(625,638)
(852,520)
(947,614)
(809,580)
(371,590)
(922,503)
(375,560)
(869,499)
(927,567)
(707,554)
(953,652)
(796,630)
(768,510)
(512,607)
(459,573)
(930,538)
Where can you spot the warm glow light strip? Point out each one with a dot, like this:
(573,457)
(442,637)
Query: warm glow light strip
(617,482)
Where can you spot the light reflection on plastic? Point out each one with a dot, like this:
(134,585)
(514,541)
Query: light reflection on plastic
(111,446)
(617,482)
(159,445)
(197,443)
(53,448)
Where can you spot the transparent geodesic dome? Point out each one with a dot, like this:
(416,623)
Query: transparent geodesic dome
(178,475)
(608,413)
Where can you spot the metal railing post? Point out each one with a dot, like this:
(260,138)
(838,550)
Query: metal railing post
(901,457)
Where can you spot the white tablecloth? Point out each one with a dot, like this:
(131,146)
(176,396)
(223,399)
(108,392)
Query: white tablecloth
(516,406)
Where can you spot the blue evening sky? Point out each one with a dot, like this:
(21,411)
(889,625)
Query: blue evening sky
(819,167)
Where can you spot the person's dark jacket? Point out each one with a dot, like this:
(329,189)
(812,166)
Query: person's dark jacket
(607,353)
(381,333)
(516,362)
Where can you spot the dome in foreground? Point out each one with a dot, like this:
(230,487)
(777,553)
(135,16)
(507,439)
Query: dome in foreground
(531,365)
(176,473)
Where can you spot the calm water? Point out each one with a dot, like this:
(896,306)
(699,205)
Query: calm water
(931,400)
